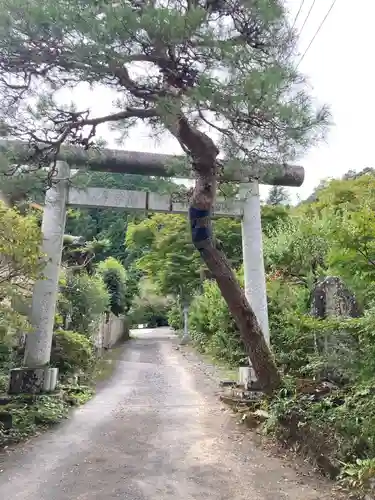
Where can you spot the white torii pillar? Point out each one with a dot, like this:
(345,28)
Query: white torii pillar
(35,376)
(253,263)
(252,248)
(38,343)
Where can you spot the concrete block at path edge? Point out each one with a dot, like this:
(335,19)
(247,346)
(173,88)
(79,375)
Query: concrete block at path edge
(185,340)
(27,380)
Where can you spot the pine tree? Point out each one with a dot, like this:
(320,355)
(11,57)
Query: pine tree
(278,195)
(217,75)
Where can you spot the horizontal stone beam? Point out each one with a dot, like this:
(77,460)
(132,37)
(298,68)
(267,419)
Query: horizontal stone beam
(159,165)
(142,200)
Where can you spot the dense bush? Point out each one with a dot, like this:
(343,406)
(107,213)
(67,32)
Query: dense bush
(83,299)
(290,346)
(20,264)
(19,246)
(149,307)
(176,316)
(72,352)
(114,276)
(5,355)
(335,430)
(212,328)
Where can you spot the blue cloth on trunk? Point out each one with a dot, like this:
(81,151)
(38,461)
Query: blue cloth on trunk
(198,232)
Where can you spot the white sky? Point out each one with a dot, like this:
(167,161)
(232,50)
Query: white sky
(338,65)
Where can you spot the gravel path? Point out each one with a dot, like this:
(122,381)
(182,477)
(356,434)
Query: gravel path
(156,431)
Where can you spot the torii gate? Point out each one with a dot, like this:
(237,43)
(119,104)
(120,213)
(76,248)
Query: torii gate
(62,195)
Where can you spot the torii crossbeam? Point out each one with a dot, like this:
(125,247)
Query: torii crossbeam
(62,194)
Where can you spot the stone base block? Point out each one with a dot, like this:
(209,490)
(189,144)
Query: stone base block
(185,340)
(246,376)
(6,421)
(32,380)
(26,380)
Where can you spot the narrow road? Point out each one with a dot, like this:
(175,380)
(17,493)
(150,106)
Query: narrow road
(155,432)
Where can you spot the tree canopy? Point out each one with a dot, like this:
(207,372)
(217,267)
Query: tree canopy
(178,65)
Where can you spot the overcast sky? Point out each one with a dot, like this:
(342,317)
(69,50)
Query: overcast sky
(340,71)
(338,65)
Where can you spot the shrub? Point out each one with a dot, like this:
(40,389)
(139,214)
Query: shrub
(287,302)
(114,276)
(5,355)
(149,307)
(340,426)
(72,352)
(212,327)
(77,395)
(176,316)
(20,264)
(360,475)
(28,413)
(85,298)
(4,382)
(20,239)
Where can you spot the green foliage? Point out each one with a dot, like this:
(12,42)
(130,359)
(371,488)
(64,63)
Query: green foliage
(115,279)
(228,233)
(272,215)
(19,246)
(278,195)
(346,208)
(109,224)
(20,264)
(168,255)
(72,352)
(212,328)
(297,248)
(332,235)
(30,413)
(360,475)
(256,72)
(77,395)
(4,382)
(176,316)
(340,426)
(11,322)
(149,307)
(84,299)
(291,347)
(340,195)
(22,187)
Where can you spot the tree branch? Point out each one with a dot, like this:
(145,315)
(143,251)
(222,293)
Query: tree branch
(122,115)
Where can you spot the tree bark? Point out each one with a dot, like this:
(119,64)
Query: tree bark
(204,152)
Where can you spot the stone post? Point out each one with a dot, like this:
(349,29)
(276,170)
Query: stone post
(38,342)
(186,337)
(252,248)
(254,275)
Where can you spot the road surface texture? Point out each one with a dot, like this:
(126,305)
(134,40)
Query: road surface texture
(156,431)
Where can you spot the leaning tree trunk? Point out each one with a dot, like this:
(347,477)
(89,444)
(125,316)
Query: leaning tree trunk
(216,261)
(205,165)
